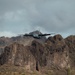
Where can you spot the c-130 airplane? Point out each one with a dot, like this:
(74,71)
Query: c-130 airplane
(38,36)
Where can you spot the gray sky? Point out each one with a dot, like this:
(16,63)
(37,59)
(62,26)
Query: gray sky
(22,16)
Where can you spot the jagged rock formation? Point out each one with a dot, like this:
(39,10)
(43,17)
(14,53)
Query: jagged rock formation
(56,52)
(18,55)
(4,41)
(70,41)
(38,51)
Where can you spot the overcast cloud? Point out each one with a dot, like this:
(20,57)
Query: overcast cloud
(22,16)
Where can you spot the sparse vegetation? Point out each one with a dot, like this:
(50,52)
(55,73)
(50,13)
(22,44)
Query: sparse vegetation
(70,71)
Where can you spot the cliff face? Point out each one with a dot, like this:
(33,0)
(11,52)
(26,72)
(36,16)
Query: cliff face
(56,52)
(70,41)
(4,41)
(18,55)
(31,57)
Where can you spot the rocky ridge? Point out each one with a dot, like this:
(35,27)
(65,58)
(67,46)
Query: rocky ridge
(55,53)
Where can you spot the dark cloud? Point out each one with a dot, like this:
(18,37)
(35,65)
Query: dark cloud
(19,16)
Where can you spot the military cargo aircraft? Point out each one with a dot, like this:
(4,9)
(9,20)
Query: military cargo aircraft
(38,36)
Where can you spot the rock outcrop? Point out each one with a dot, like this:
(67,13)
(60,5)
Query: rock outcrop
(4,41)
(70,41)
(31,57)
(55,53)
(58,54)
(18,55)
(38,51)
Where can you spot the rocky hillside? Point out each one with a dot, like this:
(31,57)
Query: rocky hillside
(56,53)
(4,41)
(26,41)
(70,41)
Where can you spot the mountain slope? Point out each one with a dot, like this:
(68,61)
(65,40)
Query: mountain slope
(55,54)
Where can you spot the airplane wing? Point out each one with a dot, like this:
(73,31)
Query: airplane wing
(44,34)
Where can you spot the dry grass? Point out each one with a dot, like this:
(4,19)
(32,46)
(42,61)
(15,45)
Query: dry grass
(12,70)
